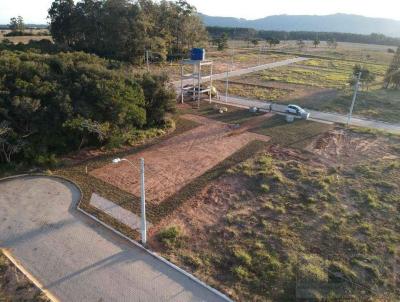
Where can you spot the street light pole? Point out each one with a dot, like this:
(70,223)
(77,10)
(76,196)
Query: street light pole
(143,226)
(354,98)
(143,203)
(227,83)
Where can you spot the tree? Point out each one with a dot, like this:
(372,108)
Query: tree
(54,104)
(124,29)
(316,42)
(273,42)
(222,42)
(62,22)
(10,144)
(392,77)
(254,42)
(17,24)
(367,76)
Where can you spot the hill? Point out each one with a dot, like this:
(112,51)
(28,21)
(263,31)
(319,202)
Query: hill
(342,23)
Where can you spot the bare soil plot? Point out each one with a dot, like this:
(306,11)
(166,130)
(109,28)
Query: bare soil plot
(177,161)
(347,147)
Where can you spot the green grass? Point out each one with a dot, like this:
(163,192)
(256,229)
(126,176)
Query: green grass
(345,66)
(297,75)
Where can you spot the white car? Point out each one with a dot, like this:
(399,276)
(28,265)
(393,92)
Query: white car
(297,110)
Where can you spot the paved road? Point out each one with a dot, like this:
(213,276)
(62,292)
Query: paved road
(244,71)
(317,115)
(75,258)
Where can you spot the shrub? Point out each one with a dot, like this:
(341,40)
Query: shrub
(240,272)
(171,237)
(242,256)
(54,104)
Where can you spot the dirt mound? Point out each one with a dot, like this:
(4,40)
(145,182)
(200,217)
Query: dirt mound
(345,146)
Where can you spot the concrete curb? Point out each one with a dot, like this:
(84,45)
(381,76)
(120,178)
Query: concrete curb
(28,275)
(158,257)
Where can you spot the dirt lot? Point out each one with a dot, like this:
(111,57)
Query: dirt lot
(174,163)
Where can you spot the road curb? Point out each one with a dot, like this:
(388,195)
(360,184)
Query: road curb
(28,275)
(158,257)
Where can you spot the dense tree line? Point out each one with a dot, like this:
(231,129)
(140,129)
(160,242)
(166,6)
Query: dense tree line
(123,29)
(53,104)
(249,34)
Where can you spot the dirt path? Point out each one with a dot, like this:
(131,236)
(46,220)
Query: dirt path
(177,161)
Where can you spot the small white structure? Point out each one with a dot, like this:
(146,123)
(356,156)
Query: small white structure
(289,118)
(197,78)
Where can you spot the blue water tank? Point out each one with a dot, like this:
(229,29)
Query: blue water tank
(198,54)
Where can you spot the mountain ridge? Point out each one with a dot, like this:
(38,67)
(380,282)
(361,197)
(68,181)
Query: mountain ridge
(343,23)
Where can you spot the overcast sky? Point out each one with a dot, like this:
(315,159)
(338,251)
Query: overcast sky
(35,11)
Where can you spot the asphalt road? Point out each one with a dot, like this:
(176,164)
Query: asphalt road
(75,258)
(317,115)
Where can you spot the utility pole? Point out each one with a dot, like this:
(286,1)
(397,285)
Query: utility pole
(143,203)
(227,83)
(354,98)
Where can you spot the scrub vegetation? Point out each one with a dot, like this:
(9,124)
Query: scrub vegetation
(302,223)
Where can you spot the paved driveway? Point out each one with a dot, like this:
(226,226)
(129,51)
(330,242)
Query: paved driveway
(75,258)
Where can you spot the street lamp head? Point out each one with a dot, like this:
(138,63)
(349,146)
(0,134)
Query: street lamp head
(116,160)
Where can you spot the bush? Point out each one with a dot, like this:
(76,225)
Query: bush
(54,104)
(170,237)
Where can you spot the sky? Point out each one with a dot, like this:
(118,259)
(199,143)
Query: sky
(35,11)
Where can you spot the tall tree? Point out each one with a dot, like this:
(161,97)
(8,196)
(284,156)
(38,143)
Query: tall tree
(122,29)
(17,24)
(392,77)
(316,42)
(62,22)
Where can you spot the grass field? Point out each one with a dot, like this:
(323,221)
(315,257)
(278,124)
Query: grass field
(25,39)
(222,62)
(320,84)
(303,76)
(378,104)
(315,222)
(251,91)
